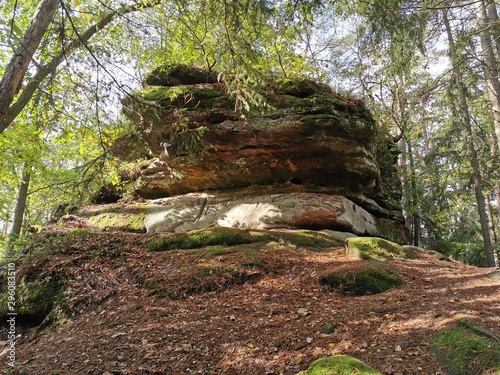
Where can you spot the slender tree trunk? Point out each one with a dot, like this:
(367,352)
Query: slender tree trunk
(18,65)
(414,196)
(493,18)
(5,227)
(44,71)
(476,173)
(493,233)
(22,197)
(403,125)
(490,65)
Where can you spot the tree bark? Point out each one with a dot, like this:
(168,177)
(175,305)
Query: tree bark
(476,172)
(22,197)
(18,65)
(49,68)
(493,18)
(490,65)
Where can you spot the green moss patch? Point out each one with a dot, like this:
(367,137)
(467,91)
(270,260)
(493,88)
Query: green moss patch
(314,241)
(371,278)
(37,301)
(124,221)
(222,236)
(179,74)
(300,88)
(374,248)
(200,238)
(465,348)
(177,95)
(339,365)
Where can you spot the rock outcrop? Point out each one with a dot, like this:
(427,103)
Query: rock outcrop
(309,158)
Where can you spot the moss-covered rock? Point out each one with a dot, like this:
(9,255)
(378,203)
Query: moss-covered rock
(127,218)
(374,248)
(368,278)
(35,301)
(302,133)
(120,221)
(200,238)
(226,236)
(168,96)
(339,365)
(179,74)
(466,349)
(300,88)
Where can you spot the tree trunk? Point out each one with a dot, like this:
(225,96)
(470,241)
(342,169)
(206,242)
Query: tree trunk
(22,197)
(18,65)
(490,65)
(414,197)
(493,18)
(476,173)
(49,68)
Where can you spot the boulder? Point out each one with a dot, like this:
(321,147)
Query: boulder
(248,209)
(306,143)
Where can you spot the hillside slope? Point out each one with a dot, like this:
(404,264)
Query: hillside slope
(250,308)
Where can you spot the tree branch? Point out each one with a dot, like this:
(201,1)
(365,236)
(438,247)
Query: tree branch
(50,68)
(18,64)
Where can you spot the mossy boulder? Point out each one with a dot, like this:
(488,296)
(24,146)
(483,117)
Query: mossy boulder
(200,238)
(339,365)
(362,279)
(127,218)
(171,96)
(466,349)
(179,74)
(300,88)
(303,137)
(225,236)
(374,248)
(35,300)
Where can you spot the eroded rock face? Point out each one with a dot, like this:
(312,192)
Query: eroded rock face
(248,209)
(309,142)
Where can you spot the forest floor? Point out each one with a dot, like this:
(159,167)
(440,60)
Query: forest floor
(180,312)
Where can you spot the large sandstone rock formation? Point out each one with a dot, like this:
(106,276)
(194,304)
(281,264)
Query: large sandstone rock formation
(308,159)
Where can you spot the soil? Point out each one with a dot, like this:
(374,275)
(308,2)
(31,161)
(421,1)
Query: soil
(207,312)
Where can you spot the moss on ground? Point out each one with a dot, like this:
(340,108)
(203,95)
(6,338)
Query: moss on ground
(466,349)
(223,236)
(374,248)
(372,279)
(339,365)
(200,238)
